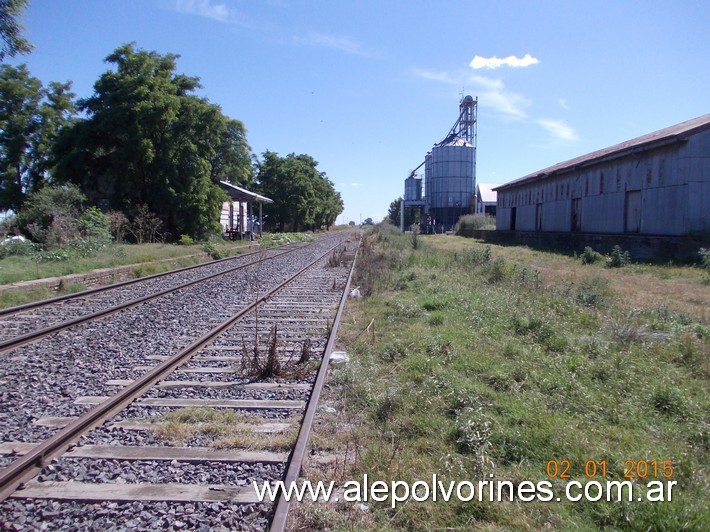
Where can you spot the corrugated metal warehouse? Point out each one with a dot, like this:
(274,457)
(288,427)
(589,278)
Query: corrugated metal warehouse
(656,184)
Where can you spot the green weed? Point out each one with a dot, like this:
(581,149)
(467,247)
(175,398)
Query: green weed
(618,258)
(211,249)
(704,254)
(269,240)
(590,291)
(589,256)
(186,240)
(479,367)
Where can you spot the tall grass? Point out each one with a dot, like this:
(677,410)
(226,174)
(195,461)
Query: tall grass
(466,364)
(472,222)
(31,266)
(17,268)
(269,240)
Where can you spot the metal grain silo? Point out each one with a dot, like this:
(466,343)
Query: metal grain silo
(450,170)
(413,188)
(450,180)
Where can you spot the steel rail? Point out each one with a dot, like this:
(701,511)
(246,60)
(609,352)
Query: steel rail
(278,522)
(33,336)
(43,302)
(29,465)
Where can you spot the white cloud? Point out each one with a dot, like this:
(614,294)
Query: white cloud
(512,105)
(563,103)
(488,83)
(558,129)
(508,103)
(443,77)
(491,92)
(494,96)
(344,44)
(205,8)
(494,62)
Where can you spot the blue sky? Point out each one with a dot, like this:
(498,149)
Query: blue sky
(367,87)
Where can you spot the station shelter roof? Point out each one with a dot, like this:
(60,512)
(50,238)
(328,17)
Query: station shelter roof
(242,194)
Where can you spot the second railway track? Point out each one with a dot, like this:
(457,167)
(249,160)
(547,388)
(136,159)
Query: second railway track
(29,322)
(253,369)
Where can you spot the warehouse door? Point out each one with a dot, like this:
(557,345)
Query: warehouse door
(538,217)
(576,215)
(632,218)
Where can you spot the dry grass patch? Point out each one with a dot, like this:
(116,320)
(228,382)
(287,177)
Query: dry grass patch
(262,366)
(225,428)
(243,438)
(680,288)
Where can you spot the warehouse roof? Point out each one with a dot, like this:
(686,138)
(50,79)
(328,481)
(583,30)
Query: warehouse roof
(662,137)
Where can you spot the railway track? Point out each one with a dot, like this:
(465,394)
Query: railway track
(32,321)
(152,454)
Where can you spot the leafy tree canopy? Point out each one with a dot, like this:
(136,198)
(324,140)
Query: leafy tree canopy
(394,212)
(13,42)
(412,215)
(31,119)
(304,198)
(148,140)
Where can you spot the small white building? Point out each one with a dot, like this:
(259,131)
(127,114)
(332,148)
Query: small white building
(486,199)
(656,184)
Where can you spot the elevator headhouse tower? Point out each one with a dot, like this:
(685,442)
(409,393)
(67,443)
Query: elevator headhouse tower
(465,126)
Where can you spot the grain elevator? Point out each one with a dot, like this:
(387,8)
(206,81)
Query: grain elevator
(447,190)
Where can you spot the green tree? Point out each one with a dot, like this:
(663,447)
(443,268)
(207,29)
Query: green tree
(232,157)
(329,204)
(411,214)
(304,198)
(287,181)
(50,215)
(148,140)
(56,112)
(395,212)
(31,119)
(13,42)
